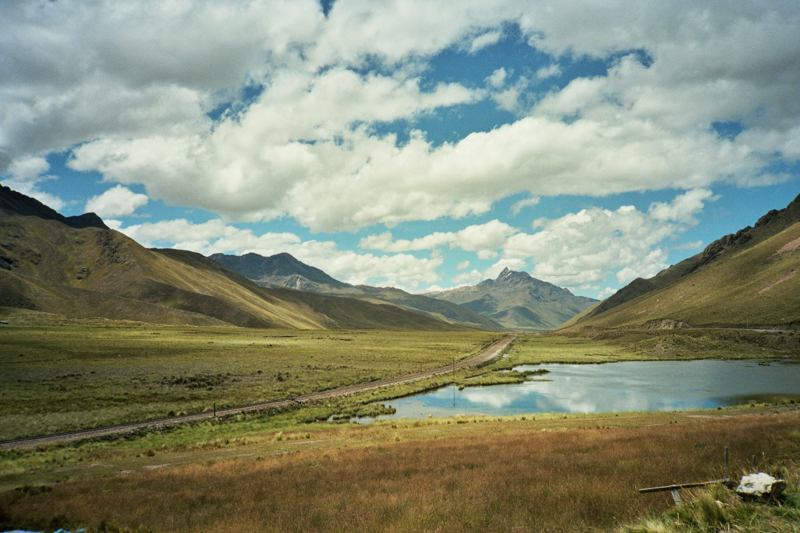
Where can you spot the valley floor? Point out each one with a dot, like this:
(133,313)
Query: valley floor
(287,471)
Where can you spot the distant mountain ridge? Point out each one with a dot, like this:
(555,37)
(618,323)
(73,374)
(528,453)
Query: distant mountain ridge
(77,267)
(283,270)
(279,270)
(519,301)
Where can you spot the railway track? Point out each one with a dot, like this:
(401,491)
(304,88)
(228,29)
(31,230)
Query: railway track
(487,355)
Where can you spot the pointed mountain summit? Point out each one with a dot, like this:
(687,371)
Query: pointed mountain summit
(519,301)
(511,276)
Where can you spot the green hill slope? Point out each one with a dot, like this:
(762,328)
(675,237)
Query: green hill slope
(745,279)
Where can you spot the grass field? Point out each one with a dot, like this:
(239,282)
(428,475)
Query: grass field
(72,376)
(59,378)
(579,473)
(629,345)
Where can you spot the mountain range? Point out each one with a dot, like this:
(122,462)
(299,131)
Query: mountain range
(514,301)
(78,267)
(283,270)
(68,267)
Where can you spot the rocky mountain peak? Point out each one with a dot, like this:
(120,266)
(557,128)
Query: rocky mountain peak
(519,301)
(269,269)
(508,276)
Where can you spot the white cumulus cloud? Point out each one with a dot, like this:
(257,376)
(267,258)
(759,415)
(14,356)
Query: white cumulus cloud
(594,243)
(116,202)
(268,109)
(482,238)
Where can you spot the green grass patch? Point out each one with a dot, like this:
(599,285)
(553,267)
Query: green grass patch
(719,508)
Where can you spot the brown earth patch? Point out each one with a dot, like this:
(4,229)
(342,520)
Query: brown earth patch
(789,247)
(785,277)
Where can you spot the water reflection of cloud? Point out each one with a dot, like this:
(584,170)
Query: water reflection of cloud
(496,398)
(561,397)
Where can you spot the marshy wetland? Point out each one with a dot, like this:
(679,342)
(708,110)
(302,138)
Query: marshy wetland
(291,471)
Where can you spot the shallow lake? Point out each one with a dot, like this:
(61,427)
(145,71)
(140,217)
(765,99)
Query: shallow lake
(615,387)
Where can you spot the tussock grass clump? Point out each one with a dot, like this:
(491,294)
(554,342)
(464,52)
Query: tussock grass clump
(718,508)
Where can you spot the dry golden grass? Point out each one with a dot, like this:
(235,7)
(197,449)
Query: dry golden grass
(502,477)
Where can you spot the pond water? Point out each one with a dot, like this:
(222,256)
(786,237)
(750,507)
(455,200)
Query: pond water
(615,387)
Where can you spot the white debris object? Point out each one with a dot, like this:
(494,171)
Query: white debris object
(760,485)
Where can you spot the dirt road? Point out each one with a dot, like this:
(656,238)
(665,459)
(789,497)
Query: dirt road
(487,355)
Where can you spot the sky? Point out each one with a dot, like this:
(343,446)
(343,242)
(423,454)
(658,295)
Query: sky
(420,144)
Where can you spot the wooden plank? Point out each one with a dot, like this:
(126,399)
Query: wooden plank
(682,486)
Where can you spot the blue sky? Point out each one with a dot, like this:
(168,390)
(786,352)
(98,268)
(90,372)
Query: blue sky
(409,143)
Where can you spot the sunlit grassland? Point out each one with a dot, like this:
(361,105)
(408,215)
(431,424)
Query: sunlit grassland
(542,473)
(633,345)
(72,376)
(64,377)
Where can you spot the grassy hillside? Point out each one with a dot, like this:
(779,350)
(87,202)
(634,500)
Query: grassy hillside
(49,266)
(95,272)
(741,279)
(752,285)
